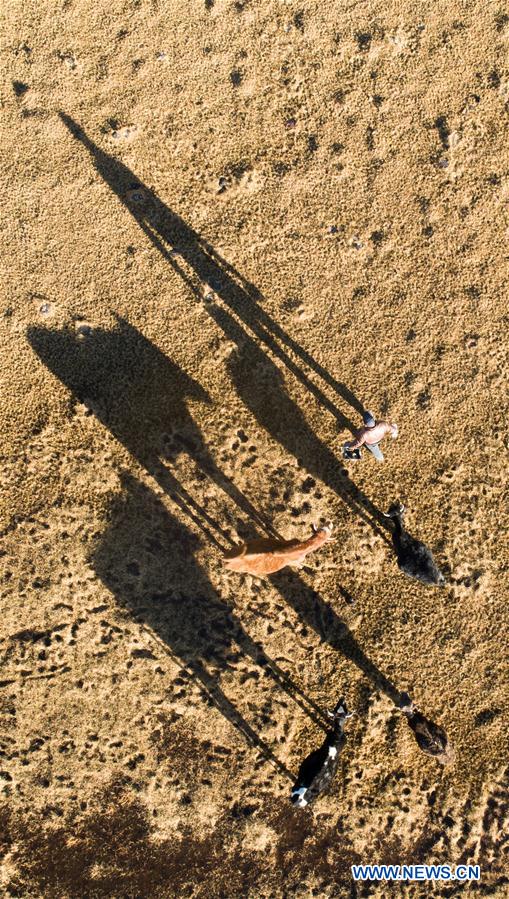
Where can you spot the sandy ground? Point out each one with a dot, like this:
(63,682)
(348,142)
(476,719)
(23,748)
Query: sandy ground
(228,227)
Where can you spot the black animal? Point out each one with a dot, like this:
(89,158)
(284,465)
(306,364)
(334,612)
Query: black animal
(414,558)
(318,769)
(431,738)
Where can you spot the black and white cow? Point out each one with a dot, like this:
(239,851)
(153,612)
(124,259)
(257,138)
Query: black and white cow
(318,769)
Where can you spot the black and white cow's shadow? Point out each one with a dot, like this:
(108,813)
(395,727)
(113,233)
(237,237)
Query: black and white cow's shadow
(146,559)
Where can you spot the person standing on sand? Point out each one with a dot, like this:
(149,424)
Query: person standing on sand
(369,436)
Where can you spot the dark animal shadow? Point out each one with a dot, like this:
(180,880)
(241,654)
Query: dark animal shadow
(260,385)
(264,394)
(319,615)
(141,396)
(146,558)
(171,235)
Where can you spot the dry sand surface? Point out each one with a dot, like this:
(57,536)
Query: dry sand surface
(228,227)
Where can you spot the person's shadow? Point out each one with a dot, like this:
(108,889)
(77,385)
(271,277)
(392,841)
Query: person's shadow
(137,392)
(264,394)
(261,387)
(174,238)
(146,559)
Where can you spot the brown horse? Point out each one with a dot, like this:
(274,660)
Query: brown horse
(265,556)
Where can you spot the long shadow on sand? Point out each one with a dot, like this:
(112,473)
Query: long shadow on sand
(141,396)
(173,238)
(318,614)
(257,378)
(171,594)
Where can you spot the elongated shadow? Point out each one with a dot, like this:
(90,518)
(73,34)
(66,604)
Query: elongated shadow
(177,241)
(318,614)
(183,248)
(146,558)
(141,396)
(260,385)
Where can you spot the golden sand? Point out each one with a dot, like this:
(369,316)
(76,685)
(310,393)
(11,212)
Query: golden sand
(228,227)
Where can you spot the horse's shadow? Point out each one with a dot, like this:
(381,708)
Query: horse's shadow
(142,397)
(258,380)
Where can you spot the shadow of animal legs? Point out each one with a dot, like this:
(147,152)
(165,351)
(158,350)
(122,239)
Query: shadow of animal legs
(319,615)
(261,387)
(141,396)
(171,594)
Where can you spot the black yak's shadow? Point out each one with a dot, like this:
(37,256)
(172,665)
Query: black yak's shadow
(320,616)
(146,558)
(178,242)
(257,378)
(141,396)
(261,386)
